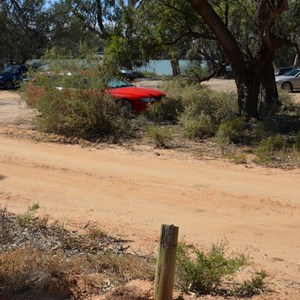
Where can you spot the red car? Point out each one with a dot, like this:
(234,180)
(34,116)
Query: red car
(134,99)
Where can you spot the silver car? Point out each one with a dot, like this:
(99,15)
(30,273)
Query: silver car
(290,81)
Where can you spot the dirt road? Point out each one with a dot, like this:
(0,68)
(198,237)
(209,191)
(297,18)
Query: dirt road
(131,192)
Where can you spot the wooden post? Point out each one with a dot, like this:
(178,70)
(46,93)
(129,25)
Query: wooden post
(165,266)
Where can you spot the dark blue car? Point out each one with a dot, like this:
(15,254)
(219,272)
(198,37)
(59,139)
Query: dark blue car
(12,76)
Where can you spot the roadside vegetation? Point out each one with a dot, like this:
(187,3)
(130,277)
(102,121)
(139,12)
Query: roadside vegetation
(190,113)
(70,100)
(39,258)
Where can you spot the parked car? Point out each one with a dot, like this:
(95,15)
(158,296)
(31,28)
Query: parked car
(12,76)
(132,98)
(128,74)
(282,70)
(290,81)
(135,98)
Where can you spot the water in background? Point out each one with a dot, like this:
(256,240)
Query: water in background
(163,66)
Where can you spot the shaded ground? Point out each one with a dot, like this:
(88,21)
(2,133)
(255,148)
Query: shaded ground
(132,190)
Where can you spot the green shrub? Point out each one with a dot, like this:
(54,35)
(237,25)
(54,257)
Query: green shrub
(255,286)
(215,272)
(204,110)
(297,141)
(193,73)
(219,106)
(266,147)
(233,128)
(160,136)
(167,110)
(222,140)
(175,89)
(204,273)
(24,219)
(197,126)
(85,111)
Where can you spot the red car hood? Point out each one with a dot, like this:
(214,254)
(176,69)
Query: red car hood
(135,92)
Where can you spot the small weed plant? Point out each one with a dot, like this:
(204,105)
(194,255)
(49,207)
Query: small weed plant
(24,219)
(269,146)
(160,136)
(254,286)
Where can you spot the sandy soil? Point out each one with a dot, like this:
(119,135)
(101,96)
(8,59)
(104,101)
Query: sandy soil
(131,192)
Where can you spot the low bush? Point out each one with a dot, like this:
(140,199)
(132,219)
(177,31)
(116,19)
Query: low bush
(205,110)
(268,146)
(214,272)
(198,110)
(197,126)
(166,111)
(85,112)
(297,142)
(27,217)
(254,286)
(160,136)
(233,129)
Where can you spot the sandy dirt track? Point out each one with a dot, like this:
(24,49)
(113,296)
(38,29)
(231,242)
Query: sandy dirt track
(131,192)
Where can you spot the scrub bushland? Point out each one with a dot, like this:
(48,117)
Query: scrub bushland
(71,100)
(195,112)
(42,259)
(206,115)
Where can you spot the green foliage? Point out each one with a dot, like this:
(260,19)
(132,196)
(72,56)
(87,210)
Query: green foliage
(194,73)
(222,140)
(93,232)
(204,273)
(233,129)
(167,110)
(297,142)
(214,272)
(198,110)
(24,219)
(197,126)
(266,147)
(160,136)
(204,110)
(255,286)
(237,158)
(71,101)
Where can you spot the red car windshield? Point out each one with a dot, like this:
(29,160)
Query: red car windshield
(117,83)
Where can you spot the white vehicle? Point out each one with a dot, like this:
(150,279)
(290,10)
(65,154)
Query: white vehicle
(290,81)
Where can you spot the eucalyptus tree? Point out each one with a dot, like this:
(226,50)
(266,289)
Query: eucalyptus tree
(251,49)
(112,21)
(69,32)
(24,29)
(245,34)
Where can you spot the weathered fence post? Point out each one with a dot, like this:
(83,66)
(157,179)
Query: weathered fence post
(165,266)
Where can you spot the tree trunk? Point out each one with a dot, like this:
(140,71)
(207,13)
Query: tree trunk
(248,91)
(175,66)
(251,71)
(269,101)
